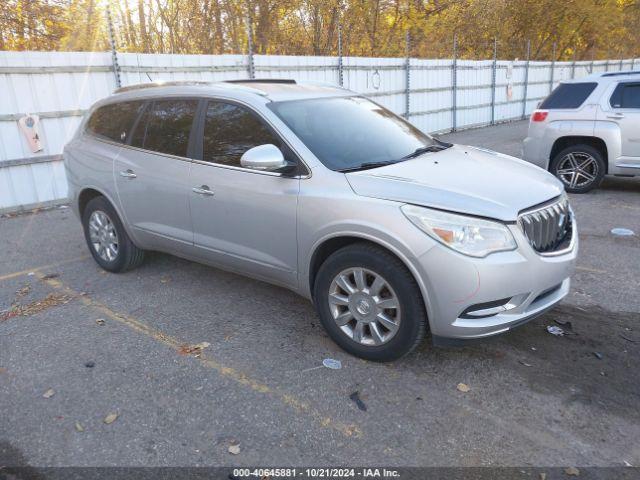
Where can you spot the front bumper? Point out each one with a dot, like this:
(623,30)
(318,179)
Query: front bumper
(529,283)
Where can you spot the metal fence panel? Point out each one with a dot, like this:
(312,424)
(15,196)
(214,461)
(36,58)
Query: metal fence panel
(60,86)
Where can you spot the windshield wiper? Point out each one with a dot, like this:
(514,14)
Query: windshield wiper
(426,149)
(367,165)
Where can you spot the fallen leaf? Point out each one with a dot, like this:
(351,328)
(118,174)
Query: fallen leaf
(49,393)
(463,387)
(194,350)
(51,300)
(234,448)
(165,279)
(572,471)
(542,476)
(23,291)
(110,418)
(100,321)
(79,427)
(355,397)
(598,355)
(525,363)
(50,276)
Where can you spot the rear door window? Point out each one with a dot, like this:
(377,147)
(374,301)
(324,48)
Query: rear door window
(568,95)
(165,127)
(115,121)
(626,95)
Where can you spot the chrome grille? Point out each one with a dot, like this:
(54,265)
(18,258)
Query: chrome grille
(548,228)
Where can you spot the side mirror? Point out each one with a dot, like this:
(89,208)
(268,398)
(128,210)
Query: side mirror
(266,158)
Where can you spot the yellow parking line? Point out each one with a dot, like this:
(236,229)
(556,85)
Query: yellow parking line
(591,270)
(348,430)
(43,267)
(630,207)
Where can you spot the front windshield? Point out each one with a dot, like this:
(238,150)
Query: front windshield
(347,132)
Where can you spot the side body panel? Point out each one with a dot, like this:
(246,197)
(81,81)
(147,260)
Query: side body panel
(89,165)
(248,223)
(155,202)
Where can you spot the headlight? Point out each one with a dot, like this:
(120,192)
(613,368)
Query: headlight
(468,235)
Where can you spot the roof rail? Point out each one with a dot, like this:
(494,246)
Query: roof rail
(263,80)
(619,74)
(141,86)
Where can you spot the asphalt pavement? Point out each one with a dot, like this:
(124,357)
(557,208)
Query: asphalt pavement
(186,360)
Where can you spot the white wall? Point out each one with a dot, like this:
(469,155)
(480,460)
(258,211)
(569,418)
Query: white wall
(60,86)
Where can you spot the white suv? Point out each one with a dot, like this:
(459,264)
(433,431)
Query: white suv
(588,128)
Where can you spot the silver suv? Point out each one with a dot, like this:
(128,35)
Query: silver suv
(389,231)
(588,128)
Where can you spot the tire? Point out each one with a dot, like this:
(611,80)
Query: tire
(125,256)
(575,179)
(364,304)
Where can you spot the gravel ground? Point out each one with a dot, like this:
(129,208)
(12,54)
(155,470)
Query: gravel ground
(127,345)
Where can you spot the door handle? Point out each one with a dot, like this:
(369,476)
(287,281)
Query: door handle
(203,190)
(128,174)
(616,115)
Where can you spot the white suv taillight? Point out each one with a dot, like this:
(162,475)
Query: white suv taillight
(539,115)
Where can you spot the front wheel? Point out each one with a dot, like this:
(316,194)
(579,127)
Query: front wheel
(369,303)
(579,167)
(107,239)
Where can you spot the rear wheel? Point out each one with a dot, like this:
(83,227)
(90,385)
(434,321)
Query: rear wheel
(579,167)
(369,303)
(107,239)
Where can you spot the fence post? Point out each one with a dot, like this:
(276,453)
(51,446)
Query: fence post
(407,73)
(573,64)
(251,69)
(454,84)
(493,80)
(526,81)
(553,67)
(591,67)
(114,53)
(621,63)
(340,65)
(606,65)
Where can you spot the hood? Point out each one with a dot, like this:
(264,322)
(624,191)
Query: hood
(461,179)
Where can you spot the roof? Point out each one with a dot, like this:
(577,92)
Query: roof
(273,89)
(611,76)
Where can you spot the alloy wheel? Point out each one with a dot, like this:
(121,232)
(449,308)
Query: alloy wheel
(103,235)
(364,306)
(577,169)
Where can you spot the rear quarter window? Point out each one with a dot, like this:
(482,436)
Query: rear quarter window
(115,121)
(568,95)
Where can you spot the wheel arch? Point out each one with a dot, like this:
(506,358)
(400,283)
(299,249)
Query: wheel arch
(567,141)
(88,193)
(327,246)
(85,196)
